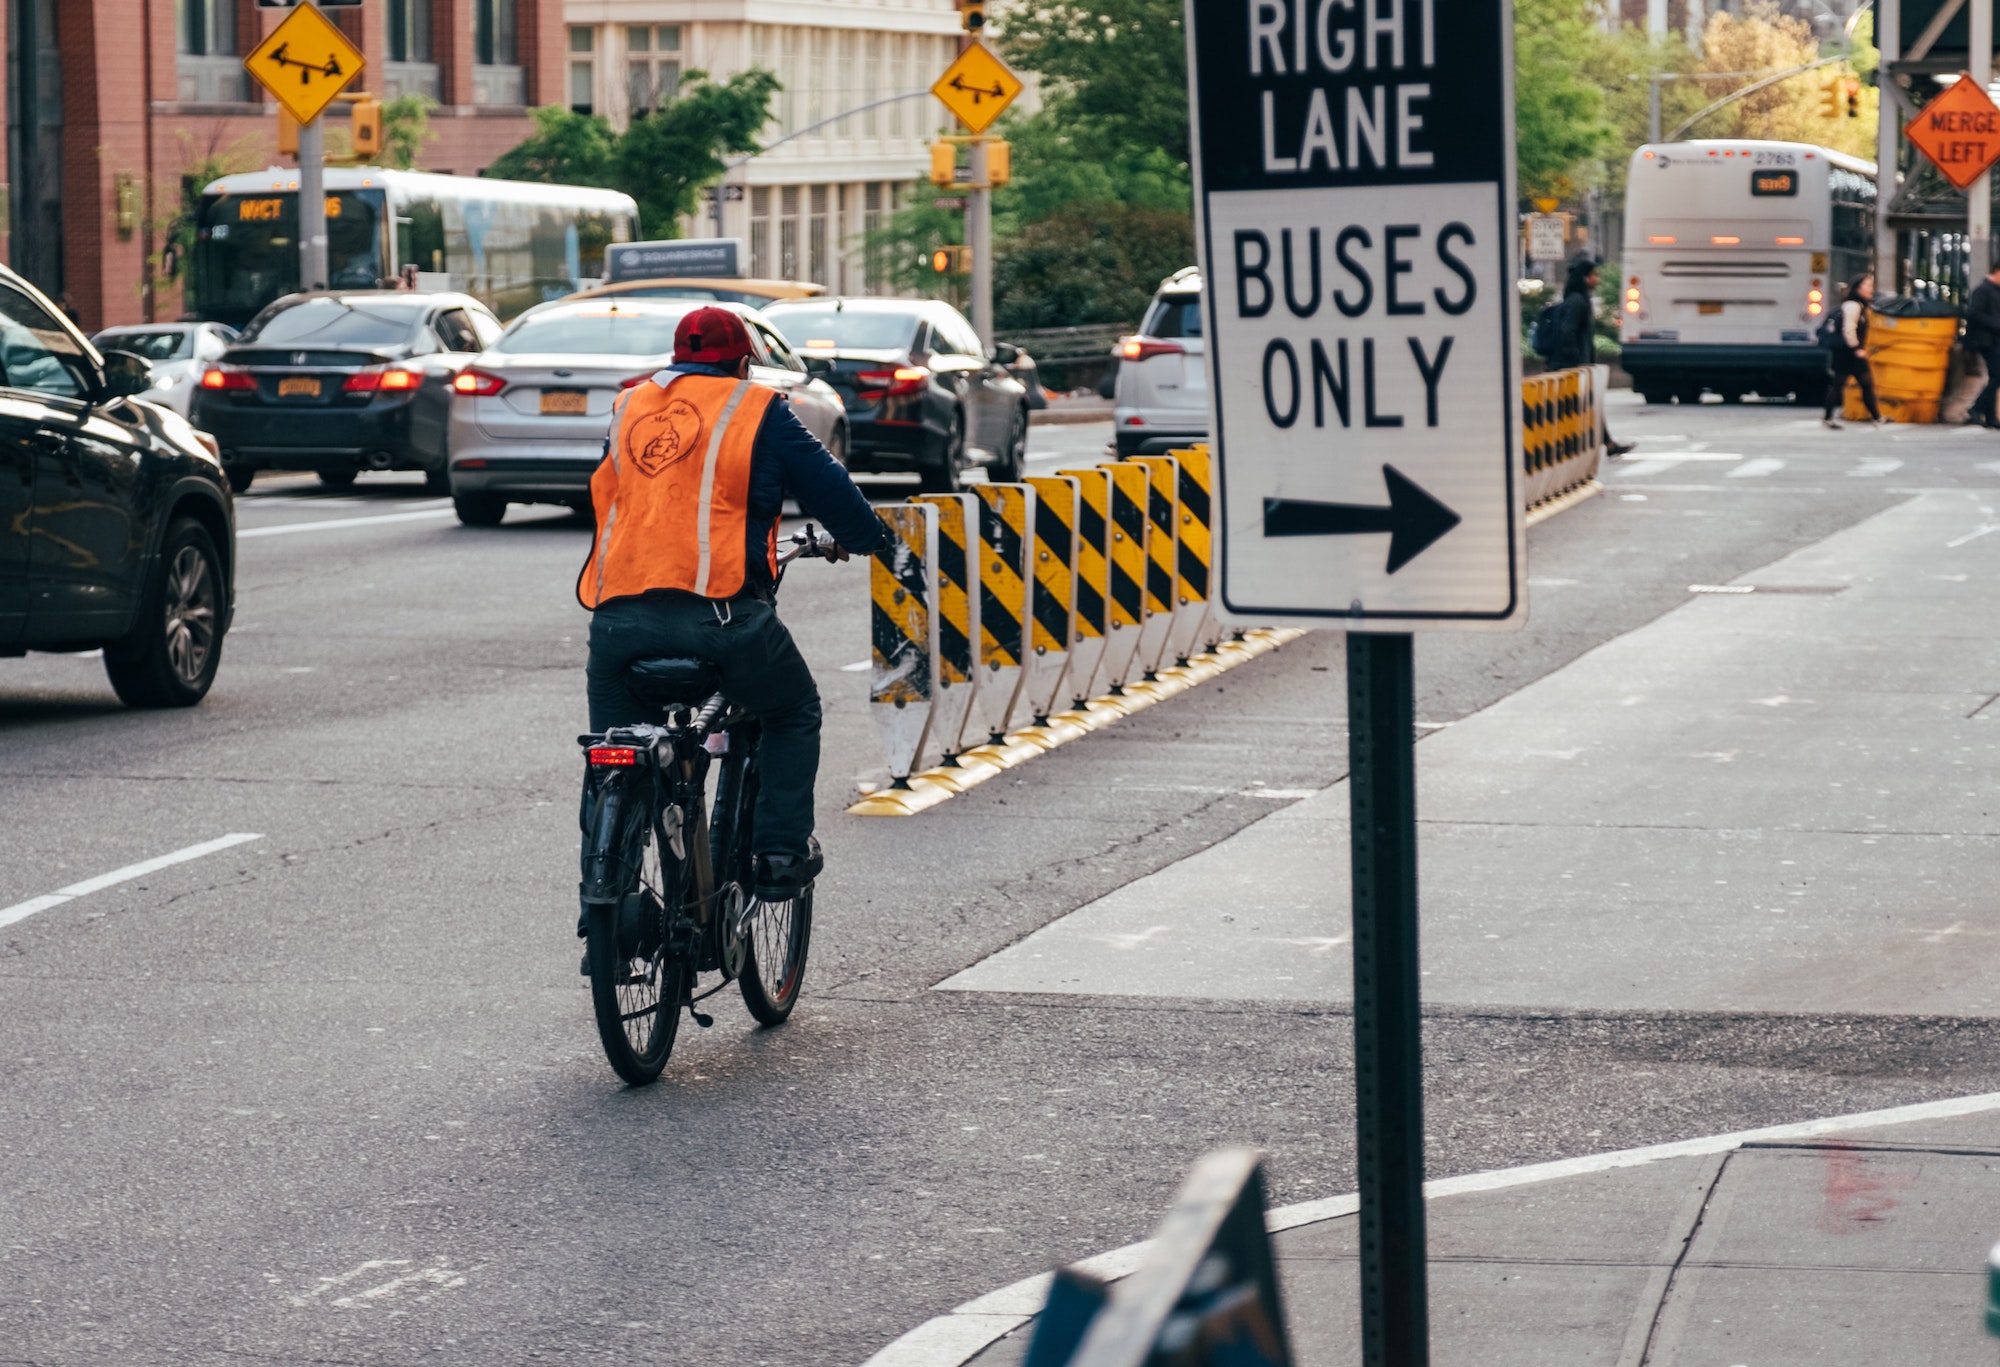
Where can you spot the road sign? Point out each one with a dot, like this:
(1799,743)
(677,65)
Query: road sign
(304,62)
(1358,234)
(978,87)
(294,4)
(1546,234)
(1959,131)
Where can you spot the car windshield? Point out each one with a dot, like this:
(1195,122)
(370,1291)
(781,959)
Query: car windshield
(334,321)
(163,344)
(846,329)
(605,332)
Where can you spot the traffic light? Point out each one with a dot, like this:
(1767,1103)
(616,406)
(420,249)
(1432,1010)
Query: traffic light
(972,15)
(952,260)
(367,129)
(944,163)
(999,161)
(1852,88)
(1832,91)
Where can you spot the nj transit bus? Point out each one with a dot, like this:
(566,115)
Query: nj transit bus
(510,243)
(1734,252)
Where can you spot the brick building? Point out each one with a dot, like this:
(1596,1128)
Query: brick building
(111,102)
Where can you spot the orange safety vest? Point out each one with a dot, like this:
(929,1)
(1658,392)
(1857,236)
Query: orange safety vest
(672,496)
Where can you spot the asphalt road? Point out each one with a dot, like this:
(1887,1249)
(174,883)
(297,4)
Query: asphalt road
(333,1094)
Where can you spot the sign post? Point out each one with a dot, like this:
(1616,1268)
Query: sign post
(1354,185)
(977,88)
(305,62)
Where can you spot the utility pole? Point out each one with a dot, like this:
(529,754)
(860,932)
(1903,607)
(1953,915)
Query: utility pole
(312,205)
(979,237)
(1888,139)
(1979,199)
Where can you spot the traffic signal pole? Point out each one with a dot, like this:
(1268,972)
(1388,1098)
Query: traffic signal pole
(979,237)
(312,204)
(1979,198)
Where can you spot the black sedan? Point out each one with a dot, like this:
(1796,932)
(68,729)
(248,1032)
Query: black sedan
(922,394)
(343,382)
(116,526)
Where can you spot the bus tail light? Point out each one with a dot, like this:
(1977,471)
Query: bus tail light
(1632,295)
(1815,301)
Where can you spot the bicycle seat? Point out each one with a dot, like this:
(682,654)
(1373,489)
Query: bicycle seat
(666,683)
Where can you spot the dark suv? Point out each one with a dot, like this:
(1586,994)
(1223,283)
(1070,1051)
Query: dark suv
(343,382)
(116,525)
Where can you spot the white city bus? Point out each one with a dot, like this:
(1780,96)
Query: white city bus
(511,243)
(1734,252)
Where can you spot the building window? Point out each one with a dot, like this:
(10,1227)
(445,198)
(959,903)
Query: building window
(652,82)
(409,30)
(788,233)
(205,35)
(497,77)
(207,28)
(760,231)
(816,263)
(871,83)
(871,223)
(582,71)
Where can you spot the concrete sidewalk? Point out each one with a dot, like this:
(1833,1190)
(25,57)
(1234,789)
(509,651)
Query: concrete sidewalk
(1862,1247)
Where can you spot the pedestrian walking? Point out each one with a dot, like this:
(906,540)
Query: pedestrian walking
(1575,340)
(1847,347)
(1982,335)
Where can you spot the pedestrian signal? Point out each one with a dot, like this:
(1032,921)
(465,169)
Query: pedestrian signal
(367,129)
(972,15)
(944,163)
(952,260)
(1851,87)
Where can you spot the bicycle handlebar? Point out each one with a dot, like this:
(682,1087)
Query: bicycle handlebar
(809,545)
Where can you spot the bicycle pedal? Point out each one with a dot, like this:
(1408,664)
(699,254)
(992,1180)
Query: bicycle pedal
(699,1019)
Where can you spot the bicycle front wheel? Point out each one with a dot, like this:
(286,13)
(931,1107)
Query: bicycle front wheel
(637,982)
(779,935)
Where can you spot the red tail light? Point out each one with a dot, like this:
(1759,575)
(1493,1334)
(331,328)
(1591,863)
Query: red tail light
(368,381)
(227,379)
(1142,348)
(904,379)
(482,383)
(614,756)
(636,380)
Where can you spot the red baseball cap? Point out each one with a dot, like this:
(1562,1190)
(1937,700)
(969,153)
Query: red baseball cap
(711,336)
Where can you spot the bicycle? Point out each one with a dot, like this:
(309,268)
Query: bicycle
(666,892)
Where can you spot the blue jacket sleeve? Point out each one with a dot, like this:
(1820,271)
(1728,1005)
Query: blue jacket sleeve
(810,474)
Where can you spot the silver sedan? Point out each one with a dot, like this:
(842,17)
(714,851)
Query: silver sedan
(529,415)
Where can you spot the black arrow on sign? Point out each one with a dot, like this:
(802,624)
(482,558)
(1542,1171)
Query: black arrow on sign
(1413,518)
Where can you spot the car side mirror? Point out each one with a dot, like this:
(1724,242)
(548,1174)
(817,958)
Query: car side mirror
(126,374)
(1006,353)
(818,365)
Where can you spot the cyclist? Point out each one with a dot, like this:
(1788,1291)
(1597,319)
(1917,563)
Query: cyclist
(695,473)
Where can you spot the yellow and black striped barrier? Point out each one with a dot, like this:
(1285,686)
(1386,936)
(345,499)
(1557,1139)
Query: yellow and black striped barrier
(903,628)
(1162,551)
(1562,437)
(1197,548)
(1128,574)
(1005,514)
(1093,581)
(1052,604)
(957,617)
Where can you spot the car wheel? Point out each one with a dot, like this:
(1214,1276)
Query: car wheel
(479,510)
(1014,459)
(941,475)
(338,479)
(837,444)
(239,476)
(171,658)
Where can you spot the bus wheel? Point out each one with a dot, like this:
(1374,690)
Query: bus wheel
(1688,394)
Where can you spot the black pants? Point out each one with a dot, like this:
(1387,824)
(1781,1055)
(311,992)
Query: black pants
(1846,363)
(761,670)
(1982,407)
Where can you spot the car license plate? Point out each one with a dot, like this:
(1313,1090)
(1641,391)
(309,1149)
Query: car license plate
(1706,308)
(299,387)
(568,403)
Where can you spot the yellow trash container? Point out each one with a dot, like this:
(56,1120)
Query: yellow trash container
(1910,356)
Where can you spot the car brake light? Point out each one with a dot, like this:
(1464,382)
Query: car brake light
(368,381)
(636,380)
(227,379)
(613,756)
(482,383)
(1143,348)
(904,379)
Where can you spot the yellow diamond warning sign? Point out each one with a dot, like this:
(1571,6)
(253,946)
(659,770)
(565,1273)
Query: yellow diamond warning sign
(1959,131)
(304,63)
(977,87)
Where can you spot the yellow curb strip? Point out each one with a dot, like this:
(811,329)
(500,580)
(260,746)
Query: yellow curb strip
(926,790)
(1568,498)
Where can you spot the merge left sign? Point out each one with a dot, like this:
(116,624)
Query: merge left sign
(1354,175)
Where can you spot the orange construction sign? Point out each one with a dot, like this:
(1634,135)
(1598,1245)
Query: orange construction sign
(1959,131)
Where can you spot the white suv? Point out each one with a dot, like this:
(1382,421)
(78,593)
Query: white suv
(1162,393)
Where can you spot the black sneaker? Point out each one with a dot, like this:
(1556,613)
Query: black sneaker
(781,877)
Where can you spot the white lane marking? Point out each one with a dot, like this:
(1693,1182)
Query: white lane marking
(1874,467)
(287,528)
(1657,462)
(1641,468)
(952,1339)
(1990,466)
(857,666)
(1756,469)
(427,1282)
(1984,529)
(21,911)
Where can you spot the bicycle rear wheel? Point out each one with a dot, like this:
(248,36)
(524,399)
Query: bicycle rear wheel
(637,981)
(779,935)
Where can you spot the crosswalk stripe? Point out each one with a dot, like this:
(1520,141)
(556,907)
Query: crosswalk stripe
(1757,469)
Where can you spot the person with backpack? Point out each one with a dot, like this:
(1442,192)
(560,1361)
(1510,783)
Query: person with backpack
(1982,335)
(1845,336)
(1564,332)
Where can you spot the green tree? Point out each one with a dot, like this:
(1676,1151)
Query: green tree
(1118,64)
(1559,113)
(566,148)
(665,159)
(406,127)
